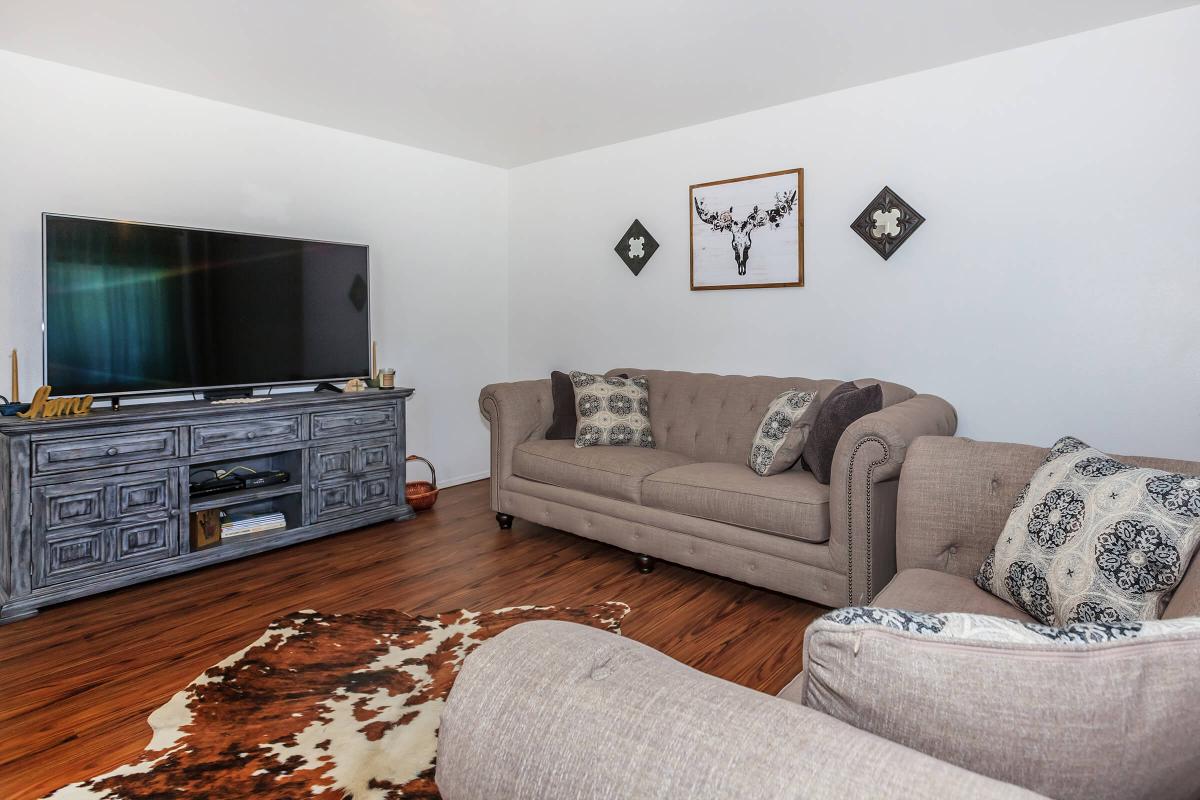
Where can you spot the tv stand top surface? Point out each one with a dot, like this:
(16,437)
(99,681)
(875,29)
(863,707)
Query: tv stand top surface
(193,410)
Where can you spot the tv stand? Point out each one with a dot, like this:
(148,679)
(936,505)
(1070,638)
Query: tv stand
(227,394)
(94,503)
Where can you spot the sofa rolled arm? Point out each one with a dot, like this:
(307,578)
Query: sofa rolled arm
(559,711)
(517,412)
(862,490)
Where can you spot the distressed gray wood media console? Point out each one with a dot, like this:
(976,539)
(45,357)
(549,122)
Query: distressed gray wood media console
(93,503)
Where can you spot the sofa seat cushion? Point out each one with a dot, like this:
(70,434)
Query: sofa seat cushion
(792,504)
(940,592)
(609,471)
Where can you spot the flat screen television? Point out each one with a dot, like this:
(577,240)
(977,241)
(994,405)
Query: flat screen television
(134,308)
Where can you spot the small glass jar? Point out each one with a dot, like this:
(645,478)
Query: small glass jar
(387,378)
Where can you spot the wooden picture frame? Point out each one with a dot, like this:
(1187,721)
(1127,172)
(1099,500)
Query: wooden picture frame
(726,216)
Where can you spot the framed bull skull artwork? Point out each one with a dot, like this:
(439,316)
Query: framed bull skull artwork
(748,232)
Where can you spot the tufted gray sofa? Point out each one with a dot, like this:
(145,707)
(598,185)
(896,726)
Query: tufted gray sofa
(693,501)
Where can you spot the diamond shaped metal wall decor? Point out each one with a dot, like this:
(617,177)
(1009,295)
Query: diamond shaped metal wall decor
(887,223)
(636,247)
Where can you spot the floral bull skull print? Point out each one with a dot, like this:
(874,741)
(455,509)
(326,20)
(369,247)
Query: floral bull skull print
(785,203)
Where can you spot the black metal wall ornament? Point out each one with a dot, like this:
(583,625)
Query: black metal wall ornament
(887,223)
(636,247)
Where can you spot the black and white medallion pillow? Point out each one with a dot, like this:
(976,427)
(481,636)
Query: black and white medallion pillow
(957,627)
(1094,540)
(783,432)
(612,411)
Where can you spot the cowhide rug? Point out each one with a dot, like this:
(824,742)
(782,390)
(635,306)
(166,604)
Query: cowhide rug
(328,706)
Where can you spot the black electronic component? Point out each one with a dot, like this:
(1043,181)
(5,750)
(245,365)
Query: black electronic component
(266,478)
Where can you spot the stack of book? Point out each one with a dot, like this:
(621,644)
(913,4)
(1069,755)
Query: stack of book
(240,524)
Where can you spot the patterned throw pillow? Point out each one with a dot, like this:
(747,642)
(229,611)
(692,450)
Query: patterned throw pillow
(1082,712)
(612,411)
(984,628)
(1094,540)
(782,432)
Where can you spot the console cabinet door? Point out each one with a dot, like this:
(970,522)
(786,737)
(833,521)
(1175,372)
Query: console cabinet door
(70,555)
(69,505)
(332,463)
(150,494)
(144,541)
(379,490)
(374,456)
(84,528)
(334,500)
(348,477)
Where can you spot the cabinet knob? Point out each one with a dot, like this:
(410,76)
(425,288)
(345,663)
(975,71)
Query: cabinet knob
(112,451)
(357,421)
(313,486)
(250,435)
(174,512)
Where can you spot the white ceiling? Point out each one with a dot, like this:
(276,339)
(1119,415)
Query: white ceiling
(508,83)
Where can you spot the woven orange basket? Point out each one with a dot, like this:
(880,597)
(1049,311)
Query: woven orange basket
(421,495)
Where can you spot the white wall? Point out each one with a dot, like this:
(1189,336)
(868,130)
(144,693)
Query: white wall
(1053,290)
(82,143)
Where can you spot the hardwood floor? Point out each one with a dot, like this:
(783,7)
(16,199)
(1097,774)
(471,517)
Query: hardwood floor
(78,681)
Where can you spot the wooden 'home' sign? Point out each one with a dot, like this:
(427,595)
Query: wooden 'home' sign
(46,407)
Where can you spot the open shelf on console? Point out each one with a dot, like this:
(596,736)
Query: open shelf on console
(286,500)
(241,497)
(289,461)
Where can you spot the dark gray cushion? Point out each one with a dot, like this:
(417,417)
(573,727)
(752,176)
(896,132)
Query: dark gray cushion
(841,408)
(562,425)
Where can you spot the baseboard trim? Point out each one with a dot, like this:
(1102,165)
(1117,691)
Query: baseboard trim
(477,476)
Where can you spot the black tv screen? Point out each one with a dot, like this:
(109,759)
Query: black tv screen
(134,308)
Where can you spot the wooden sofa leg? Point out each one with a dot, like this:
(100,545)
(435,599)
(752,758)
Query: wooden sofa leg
(505,520)
(644,563)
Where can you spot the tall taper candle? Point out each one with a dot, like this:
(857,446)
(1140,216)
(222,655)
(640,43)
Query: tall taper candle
(374,359)
(16,387)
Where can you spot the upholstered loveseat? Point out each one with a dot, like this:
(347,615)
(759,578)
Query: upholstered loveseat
(556,710)
(693,501)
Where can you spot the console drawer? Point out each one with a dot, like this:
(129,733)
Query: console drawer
(368,419)
(52,456)
(244,433)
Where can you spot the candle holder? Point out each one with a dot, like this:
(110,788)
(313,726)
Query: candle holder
(15,406)
(8,409)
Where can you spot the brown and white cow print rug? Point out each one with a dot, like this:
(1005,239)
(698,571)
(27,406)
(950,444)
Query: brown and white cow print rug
(326,706)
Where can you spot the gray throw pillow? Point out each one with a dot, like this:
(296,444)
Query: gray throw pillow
(844,406)
(782,433)
(612,411)
(1089,711)
(1091,539)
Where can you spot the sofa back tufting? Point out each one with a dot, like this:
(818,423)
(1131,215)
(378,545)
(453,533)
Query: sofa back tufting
(957,494)
(714,417)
